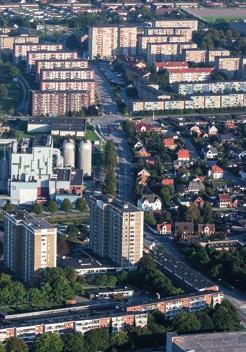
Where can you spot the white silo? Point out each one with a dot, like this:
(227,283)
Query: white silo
(84,159)
(69,153)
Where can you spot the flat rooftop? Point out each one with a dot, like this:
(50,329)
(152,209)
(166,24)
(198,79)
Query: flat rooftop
(123,206)
(32,221)
(184,273)
(214,342)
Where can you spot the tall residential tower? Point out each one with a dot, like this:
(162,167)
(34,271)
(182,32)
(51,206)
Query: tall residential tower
(116,230)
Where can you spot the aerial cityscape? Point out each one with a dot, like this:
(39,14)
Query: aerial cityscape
(122,176)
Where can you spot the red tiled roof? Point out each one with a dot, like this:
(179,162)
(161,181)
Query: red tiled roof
(191,70)
(183,153)
(168,142)
(166,64)
(224,197)
(159,227)
(217,170)
(168,182)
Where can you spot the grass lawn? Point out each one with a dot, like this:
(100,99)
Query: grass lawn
(13,98)
(214,19)
(92,136)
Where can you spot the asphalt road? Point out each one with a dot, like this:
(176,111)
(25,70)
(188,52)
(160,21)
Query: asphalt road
(25,101)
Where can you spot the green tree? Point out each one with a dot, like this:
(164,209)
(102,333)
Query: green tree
(35,297)
(165,195)
(66,205)
(206,322)
(119,339)
(193,214)
(52,207)
(110,182)
(72,231)
(3,91)
(14,71)
(2,348)
(48,342)
(110,156)
(8,206)
(14,344)
(97,340)
(37,209)
(226,317)
(186,322)
(81,204)
(73,342)
(149,218)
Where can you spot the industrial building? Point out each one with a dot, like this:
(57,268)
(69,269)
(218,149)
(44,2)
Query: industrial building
(116,230)
(33,170)
(29,245)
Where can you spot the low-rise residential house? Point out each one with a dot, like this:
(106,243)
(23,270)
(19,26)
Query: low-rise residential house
(224,200)
(168,182)
(196,186)
(164,228)
(143,177)
(149,202)
(227,201)
(183,155)
(142,127)
(199,202)
(210,152)
(183,229)
(138,145)
(206,229)
(213,130)
(227,138)
(169,143)
(144,153)
(195,130)
(216,172)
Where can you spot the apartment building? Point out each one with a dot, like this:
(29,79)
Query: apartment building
(230,65)
(199,102)
(60,64)
(103,41)
(108,41)
(7,42)
(213,54)
(60,324)
(194,55)
(116,230)
(66,74)
(32,57)
(60,103)
(158,52)
(172,306)
(76,84)
(154,38)
(192,24)
(21,50)
(127,40)
(29,245)
(195,74)
(211,87)
(186,32)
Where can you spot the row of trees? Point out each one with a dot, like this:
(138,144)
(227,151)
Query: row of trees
(110,162)
(58,286)
(147,277)
(223,317)
(226,265)
(65,206)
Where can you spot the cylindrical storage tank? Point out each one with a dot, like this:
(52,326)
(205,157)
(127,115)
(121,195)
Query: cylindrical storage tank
(69,153)
(84,159)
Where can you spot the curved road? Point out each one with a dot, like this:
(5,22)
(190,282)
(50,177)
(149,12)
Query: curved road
(25,101)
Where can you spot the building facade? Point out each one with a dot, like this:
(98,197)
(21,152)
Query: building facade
(116,230)
(29,245)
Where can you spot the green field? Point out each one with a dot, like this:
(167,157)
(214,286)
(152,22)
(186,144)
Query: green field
(13,98)
(215,19)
